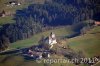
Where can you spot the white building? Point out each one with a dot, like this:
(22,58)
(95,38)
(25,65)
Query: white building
(51,39)
(13,3)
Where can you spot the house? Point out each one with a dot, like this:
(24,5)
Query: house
(51,40)
(34,54)
(97,23)
(7,13)
(46,55)
(12,3)
(2,14)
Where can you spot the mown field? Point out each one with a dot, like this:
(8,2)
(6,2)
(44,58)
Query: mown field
(6,20)
(88,43)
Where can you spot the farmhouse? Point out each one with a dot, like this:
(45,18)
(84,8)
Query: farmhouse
(2,14)
(12,3)
(97,23)
(34,54)
(6,13)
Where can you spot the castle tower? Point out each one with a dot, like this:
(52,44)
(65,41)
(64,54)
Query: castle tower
(52,39)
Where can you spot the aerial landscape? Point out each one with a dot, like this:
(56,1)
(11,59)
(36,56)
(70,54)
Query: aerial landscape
(49,32)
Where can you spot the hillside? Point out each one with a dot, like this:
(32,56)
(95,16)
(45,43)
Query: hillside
(88,44)
(49,33)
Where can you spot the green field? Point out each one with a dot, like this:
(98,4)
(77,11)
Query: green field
(5,20)
(88,43)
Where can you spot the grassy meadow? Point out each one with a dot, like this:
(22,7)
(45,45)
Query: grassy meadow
(88,43)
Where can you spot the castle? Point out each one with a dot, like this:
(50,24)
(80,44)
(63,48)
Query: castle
(51,39)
